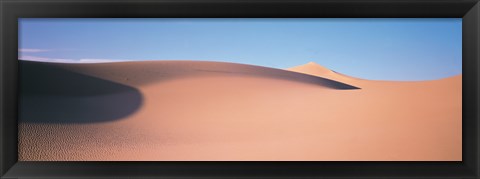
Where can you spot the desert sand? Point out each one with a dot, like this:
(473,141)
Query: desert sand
(214,111)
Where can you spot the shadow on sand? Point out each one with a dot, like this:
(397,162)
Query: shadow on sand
(53,93)
(49,94)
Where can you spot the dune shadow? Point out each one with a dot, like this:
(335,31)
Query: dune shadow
(50,94)
(53,93)
(316,80)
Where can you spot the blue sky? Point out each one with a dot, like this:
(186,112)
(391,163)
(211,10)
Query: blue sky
(379,49)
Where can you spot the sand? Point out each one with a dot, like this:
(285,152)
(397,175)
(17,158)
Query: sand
(213,111)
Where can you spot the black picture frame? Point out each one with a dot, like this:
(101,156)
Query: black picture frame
(11,10)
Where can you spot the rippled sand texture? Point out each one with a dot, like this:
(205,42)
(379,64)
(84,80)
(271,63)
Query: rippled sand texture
(212,111)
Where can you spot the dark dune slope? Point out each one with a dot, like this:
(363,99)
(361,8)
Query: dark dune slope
(50,94)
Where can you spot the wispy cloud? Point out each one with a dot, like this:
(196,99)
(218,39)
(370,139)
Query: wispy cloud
(65,60)
(32,50)
(43,59)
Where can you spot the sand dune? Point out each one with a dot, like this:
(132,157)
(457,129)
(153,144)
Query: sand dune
(316,69)
(187,110)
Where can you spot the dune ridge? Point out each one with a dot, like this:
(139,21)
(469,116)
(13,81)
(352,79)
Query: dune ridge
(213,111)
(128,72)
(315,69)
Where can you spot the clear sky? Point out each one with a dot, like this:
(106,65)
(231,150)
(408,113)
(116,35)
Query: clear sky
(380,49)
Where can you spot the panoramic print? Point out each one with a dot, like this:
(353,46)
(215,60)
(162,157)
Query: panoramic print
(240,89)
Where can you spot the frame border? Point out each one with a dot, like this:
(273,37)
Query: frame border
(11,10)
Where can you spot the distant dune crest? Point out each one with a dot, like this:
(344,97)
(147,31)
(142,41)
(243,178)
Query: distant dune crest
(316,69)
(313,67)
